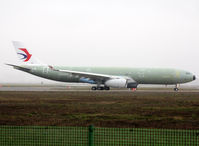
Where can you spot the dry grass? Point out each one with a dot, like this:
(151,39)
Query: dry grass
(108,109)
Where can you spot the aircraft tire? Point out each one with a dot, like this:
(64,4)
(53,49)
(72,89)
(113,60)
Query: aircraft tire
(100,88)
(93,88)
(176,89)
(107,88)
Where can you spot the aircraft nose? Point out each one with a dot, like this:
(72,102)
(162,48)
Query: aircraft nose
(194,77)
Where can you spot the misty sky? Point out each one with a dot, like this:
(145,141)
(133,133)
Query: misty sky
(129,33)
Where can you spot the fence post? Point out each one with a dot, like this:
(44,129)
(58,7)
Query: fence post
(90,135)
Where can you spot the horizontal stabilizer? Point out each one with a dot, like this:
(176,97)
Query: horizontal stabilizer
(19,67)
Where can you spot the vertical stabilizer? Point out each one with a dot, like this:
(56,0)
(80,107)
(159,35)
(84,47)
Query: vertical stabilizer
(23,53)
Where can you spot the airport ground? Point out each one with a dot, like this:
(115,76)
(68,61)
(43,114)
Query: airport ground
(145,108)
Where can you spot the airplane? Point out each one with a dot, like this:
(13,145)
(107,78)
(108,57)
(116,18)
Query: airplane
(103,78)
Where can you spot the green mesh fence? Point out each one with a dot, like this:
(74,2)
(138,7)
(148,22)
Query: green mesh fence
(94,136)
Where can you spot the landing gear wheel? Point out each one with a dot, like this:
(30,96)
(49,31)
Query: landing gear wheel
(176,89)
(107,88)
(100,88)
(93,88)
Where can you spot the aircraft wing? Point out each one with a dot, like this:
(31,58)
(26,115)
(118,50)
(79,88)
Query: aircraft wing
(93,76)
(117,81)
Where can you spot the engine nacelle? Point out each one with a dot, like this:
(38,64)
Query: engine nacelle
(132,85)
(116,83)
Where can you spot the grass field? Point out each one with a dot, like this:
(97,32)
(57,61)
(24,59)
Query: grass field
(170,110)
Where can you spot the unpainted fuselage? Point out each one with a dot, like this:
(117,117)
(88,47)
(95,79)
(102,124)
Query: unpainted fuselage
(140,75)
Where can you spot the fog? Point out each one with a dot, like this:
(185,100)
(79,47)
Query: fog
(128,33)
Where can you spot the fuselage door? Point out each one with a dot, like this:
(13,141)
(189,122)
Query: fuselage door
(45,70)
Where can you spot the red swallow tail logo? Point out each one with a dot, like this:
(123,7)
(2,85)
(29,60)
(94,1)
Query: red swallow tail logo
(26,56)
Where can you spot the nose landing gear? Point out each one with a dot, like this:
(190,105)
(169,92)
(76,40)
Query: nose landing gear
(176,87)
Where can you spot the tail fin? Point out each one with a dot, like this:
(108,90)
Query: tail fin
(23,54)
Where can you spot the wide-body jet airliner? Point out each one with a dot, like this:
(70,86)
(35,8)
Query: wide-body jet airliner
(103,78)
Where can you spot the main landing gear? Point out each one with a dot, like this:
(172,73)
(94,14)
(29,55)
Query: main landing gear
(100,88)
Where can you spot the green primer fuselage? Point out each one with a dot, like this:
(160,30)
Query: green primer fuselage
(140,75)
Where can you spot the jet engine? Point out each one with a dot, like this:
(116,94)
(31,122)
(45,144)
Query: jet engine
(121,83)
(116,83)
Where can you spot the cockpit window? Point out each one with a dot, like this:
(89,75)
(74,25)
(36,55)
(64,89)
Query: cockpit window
(188,73)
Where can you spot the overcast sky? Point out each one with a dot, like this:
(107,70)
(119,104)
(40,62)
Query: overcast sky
(129,33)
